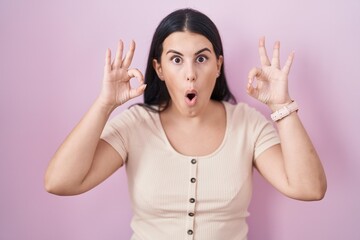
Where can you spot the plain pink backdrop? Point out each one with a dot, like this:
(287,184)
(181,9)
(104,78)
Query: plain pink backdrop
(51,62)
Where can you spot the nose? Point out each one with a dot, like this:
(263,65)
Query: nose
(190,73)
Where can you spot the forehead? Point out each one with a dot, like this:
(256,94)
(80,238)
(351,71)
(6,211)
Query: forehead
(186,42)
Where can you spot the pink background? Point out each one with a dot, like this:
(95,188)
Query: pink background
(51,62)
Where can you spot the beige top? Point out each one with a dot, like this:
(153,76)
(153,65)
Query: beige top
(181,197)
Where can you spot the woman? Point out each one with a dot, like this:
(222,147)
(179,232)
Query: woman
(188,152)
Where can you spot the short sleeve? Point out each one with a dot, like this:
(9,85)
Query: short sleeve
(116,133)
(265,134)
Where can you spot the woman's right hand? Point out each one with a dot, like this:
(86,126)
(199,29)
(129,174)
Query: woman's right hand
(116,87)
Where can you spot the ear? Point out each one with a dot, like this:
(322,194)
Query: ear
(220,61)
(158,69)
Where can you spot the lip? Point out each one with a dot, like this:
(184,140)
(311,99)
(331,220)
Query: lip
(191,102)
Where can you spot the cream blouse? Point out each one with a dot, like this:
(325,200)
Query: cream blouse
(177,197)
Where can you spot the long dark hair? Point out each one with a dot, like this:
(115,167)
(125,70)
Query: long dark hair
(156,93)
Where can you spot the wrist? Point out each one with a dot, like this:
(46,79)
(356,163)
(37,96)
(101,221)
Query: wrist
(284,111)
(104,107)
(276,106)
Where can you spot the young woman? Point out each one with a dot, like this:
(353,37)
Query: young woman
(189,150)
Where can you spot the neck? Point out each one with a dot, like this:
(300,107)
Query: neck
(193,117)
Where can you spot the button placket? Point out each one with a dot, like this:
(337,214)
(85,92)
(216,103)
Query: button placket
(191,204)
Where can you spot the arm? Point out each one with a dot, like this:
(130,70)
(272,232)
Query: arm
(84,160)
(293,167)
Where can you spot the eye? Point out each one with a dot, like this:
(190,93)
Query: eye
(201,59)
(176,59)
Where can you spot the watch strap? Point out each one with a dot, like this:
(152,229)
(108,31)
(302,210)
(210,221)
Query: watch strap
(284,111)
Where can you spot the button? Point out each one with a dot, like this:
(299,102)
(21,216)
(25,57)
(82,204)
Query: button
(190,232)
(192,200)
(193,180)
(193,161)
(191,214)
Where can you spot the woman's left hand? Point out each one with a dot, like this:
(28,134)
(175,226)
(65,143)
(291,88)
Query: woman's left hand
(271,84)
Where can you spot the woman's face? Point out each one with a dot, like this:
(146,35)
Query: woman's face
(189,68)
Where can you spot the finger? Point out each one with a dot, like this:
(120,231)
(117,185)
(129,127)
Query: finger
(118,57)
(129,55)
(108,60)
(135,73)
(262,52)
(275,61)
(289,61)
(251,89)
(255,72)
(135,92)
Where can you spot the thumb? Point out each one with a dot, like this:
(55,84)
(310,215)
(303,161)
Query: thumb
(135,92)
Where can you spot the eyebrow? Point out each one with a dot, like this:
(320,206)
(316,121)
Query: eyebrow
(179,53)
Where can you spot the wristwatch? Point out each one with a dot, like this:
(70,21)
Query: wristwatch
(284,111)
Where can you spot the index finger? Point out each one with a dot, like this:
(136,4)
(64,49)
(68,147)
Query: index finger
(129,55)
(264,59)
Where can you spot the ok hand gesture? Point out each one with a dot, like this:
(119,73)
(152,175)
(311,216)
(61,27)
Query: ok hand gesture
(271,84)
(116,88)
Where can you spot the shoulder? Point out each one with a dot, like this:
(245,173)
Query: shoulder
(243,111)
(134,115)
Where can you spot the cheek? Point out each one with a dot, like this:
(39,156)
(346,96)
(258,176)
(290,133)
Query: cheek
(209,73)
(174,77)
(170,71)
(172,81)
(211,79)
(210,68)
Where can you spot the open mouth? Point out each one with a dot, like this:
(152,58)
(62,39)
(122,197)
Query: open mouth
(190,96)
